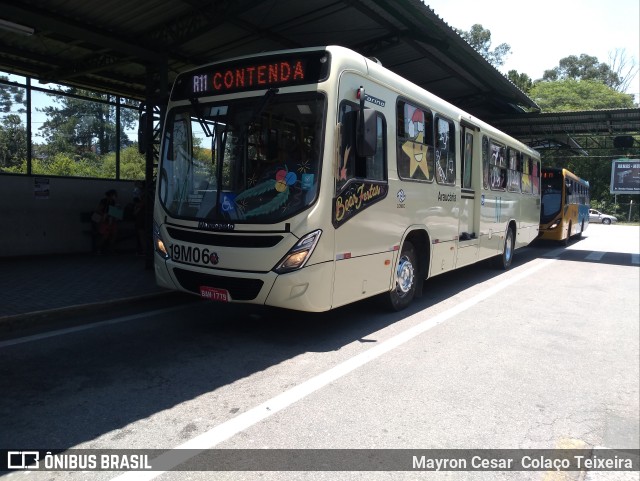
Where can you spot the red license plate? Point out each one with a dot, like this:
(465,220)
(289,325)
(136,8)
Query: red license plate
(214,294)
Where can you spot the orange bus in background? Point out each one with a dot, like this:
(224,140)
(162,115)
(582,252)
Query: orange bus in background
(565,205)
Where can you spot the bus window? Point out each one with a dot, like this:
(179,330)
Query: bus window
(498,165)
(415,143)
(551,197)
(350,164)
(445,158)
(485,162)
(526,174)
(535,177)
(468,159)
(513,174)
(375,164)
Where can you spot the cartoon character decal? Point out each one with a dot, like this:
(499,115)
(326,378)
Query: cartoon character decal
(414,147)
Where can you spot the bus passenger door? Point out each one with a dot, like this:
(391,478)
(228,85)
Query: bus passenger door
(469,225)
(363,240)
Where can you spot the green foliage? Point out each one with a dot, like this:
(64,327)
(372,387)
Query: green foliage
(623,209)
(584,67)
(132,164)
(80,136)
(10,95)
(480,39)
(520,80)
(13,142)
(84,124)
(570,94)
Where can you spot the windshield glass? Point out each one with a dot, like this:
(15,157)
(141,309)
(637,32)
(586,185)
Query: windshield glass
(249,160)
(551,198)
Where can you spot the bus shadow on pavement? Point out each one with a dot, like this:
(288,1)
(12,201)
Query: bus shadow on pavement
(94,384)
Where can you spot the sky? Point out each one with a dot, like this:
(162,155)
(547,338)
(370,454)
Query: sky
(541,32)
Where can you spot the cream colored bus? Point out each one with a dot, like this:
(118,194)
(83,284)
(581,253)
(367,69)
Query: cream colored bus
(309,179)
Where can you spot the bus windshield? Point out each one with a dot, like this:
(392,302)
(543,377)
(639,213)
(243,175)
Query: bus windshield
(254,160)
(551,198)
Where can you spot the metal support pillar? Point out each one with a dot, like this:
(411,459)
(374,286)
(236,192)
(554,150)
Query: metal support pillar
(154,109)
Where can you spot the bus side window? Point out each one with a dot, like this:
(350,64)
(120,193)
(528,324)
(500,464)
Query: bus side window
(527,186)
(414,142)
(498,164)
(486,154)
(467,162)
(445,152)
(513,174)
(375,164)
(349,164)
(568,191)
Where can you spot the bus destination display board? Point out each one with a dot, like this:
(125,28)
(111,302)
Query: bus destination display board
(257,73)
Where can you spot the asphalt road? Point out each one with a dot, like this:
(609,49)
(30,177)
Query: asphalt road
(542,356)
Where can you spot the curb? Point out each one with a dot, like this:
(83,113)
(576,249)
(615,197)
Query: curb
(29,320)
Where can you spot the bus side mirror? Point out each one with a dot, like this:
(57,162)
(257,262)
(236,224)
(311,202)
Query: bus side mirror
(142,133)
(367,128)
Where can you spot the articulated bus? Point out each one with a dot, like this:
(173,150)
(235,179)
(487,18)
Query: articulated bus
(565,205)
(309,179)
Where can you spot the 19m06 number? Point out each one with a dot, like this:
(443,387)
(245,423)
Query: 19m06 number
(193,255)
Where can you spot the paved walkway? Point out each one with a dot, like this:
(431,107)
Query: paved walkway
(30,285)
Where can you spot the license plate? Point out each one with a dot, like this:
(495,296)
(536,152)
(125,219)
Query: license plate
(214,294)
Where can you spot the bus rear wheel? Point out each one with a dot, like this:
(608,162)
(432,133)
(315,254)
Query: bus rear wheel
(405,279)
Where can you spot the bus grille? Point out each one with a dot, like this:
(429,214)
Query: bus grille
(240,289)
(224,240)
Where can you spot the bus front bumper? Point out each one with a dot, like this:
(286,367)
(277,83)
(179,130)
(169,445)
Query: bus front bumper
(308,289)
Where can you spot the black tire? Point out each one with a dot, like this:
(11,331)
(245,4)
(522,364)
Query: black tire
(405,278)
(504,260)
(566,240)
(606,221)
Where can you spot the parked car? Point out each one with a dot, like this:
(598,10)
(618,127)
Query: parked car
(599,217)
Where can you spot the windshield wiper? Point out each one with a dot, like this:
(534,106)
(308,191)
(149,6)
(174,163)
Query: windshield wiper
(266,98)
(203,123)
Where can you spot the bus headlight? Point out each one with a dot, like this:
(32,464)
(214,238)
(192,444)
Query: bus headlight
(554,225)
(299,254)
(158,243)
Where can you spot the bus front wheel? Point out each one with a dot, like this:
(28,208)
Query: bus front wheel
(504,260)
(405,278)
(566,240)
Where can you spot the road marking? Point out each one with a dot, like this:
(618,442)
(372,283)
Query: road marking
(556,475)
(85,327)
(259,413)
(595,256)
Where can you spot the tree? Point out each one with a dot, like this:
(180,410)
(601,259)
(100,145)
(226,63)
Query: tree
(13,142)
(571,94)
(480,39)
(584,67)
(626,69)
(83,126)
(520,80)
(10,94)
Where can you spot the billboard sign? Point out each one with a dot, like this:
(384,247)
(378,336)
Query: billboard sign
(625,176)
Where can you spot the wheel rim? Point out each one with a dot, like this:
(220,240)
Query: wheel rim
(508,247)
(404,276)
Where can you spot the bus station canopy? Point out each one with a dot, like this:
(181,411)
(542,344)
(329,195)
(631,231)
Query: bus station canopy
(136,48)
(120,47)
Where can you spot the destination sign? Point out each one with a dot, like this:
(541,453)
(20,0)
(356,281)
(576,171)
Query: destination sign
(257,73)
